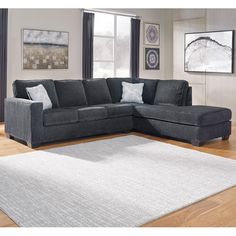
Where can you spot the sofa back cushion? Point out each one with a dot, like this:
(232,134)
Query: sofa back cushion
(19,89)
(70,93)
(149,89)
(97,91)
(188,101)
(115,87)
(171,92)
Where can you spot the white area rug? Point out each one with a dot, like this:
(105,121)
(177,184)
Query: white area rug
(125,181)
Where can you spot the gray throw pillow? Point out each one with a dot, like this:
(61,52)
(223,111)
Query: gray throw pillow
(39,94)
(132,92)
(19,89)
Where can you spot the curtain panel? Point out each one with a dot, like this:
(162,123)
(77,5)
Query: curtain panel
(3,59)
(87,54)
(135,41)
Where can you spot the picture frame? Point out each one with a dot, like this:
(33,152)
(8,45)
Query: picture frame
(45,49)
(151,58)
(211,51)
(151,34)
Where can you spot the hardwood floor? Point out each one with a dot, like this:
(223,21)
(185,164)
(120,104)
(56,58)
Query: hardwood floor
(218,210)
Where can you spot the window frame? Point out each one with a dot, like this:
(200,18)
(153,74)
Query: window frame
(114,37)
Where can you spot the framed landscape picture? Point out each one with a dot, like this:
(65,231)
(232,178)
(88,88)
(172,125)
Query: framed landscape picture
(152,58)
(209,52)
(151,34)
(45,49)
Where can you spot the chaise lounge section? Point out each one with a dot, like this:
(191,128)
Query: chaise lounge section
(92,107)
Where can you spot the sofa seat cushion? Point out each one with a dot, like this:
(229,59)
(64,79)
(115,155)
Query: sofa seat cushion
(19,89)
(119,109)
(59,116)
(189,115)
(92,113)
(171,92)
(70,93)
(97,91)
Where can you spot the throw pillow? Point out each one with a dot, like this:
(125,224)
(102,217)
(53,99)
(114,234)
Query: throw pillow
(132,92)
(39,94)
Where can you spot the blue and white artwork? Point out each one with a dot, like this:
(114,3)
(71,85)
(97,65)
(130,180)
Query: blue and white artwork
(152,58)
(151,34)
(209,52)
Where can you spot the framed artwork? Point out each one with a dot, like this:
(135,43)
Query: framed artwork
(152,58)
(45,49)
(209,51)
(151,34)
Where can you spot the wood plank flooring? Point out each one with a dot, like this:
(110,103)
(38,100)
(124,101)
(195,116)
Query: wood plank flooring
(218,210)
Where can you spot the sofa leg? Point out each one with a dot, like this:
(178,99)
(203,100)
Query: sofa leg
(226,137)
(33,145)
(196,142)
(9,136)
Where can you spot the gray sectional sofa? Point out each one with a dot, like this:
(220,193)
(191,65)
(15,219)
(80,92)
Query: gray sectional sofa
(90,107)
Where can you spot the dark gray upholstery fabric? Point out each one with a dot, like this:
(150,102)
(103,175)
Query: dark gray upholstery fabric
(92,113)
(149,89)
(19,89)
(59,116)
(189,115)
(70,93)
(118,109)
(115,87)
(189,97)
(87,128)
(171,92)
(24,120)
(181,131)
(97,91)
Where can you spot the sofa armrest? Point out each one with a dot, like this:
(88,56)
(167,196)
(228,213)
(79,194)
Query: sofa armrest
(24,120)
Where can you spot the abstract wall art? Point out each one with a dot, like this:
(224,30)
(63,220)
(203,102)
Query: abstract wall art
(209,52)
(151,34)
(45,49)
(152,58)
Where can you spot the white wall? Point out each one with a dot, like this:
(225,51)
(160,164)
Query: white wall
(208,88)
(221,88)
(71,20)
(54,19)
(196,80)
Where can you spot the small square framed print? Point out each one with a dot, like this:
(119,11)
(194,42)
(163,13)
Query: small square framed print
(152,58)
(151,33)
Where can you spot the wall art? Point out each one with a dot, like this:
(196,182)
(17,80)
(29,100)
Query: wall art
(152,58)
(151,34)
(45,49)
(209,51)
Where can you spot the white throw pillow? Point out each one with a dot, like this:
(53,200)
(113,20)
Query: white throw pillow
(132,92)
(39,94)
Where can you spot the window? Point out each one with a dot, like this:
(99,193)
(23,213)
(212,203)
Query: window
(111,46)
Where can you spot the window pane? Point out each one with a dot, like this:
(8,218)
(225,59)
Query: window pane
(103,48)
(123,46)
(103,24)
(103,69)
